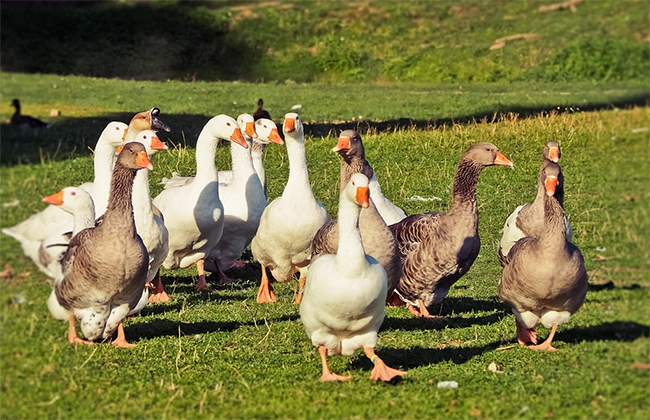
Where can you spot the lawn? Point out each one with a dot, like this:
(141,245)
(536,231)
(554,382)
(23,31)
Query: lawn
(222,355)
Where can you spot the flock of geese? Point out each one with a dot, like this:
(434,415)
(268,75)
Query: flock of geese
(104,242)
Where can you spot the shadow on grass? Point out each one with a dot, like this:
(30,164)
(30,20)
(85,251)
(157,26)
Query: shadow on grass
(610,331)
(420,324)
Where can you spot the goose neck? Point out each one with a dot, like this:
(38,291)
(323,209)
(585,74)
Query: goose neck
(206,149)
(242,162)
(141,197)
(298,173)
(465,182)
(350,252)
(351,166)
(119,200)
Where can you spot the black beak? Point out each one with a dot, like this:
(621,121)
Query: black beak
(156,124)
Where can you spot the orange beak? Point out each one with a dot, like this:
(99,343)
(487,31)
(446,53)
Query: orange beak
(363,193)
(156,144)
(250,130)
(550,184)
(275,136)
(54,199)
(143,161)
(502,160)
(119,149)
(343,144)
(238,138)
(554,154)
(124,135)
(289,125)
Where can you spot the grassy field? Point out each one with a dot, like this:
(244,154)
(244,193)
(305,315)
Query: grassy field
(222,355)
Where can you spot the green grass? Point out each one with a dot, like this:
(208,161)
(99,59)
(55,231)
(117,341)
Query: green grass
(222,355)
(320,41)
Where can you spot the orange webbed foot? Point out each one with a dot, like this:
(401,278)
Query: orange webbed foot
(266,294)
(202,285)
(384,373)
(331,376)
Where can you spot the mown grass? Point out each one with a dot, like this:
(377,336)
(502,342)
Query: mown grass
(222,355)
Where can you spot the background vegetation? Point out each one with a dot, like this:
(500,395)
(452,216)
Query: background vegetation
(307,41)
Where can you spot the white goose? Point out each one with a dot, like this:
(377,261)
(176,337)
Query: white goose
(290,222)
(243,198)
(387,210)
(55,221)
(194,212)
(343,304)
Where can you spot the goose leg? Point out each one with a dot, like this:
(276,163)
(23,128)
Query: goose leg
(223,278)
(328,375)
(546,345)
(158,294)
(525,335)
(381,371)
(201,286)
(266,293)
(120,341)
(238,264)
(301,287)
(73,338)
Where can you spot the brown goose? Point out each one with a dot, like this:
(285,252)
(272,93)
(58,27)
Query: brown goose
(438,248)
(378,240)
(25,120)
(261,113)
(545,280)
(105,267)
(527,219)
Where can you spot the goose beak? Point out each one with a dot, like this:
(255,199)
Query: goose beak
(250,130)
(343,144)
(289,125)
(238,138)
(550,184)
(54,199)
(119,149)
(502,160)
(363,193)
(126,130)
(275,136)
(554,154)
(142,161)
(156,144)
(156,124)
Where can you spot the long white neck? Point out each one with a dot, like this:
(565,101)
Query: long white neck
(130,135)
(298,174)
(83,219)
(206,148)
(103,162)
(257,153)
(142,210)
(351,253)
(242,163)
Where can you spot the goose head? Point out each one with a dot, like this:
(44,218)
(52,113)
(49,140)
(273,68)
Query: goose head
(292,126)
(247,125)
(70,199)
(114,134)
(267,131)
(147,120)
(486,154)
(551,176)
(552,151)
(349,145)
(357,190)
(150,140)
(224,127)
(15,103)
(134,156)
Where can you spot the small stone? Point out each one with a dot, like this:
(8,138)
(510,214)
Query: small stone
(448,384)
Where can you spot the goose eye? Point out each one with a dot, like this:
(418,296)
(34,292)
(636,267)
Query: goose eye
(73,193)
(117,128)
(228,124)
(145,137)
(265,126)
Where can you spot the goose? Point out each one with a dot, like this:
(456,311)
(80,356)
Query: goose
(25,121)
(387,210)
(290,222)
(527,219)
(378,240)
(53,220)
(105,266)
(437,249)
(243,199)
(145,120)
(194,212)
(149,223)
(343,304)
(544,280)
(261,113)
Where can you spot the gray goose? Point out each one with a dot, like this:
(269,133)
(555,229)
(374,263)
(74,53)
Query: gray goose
(378,240)
(105,267)
(437,249)
(527,219)
(545,280)
(25,120)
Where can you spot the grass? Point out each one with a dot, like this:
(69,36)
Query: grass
(323,41)
(222,355)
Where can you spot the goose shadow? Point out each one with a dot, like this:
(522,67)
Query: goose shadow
(417,324)
(609,331)
(420,356)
